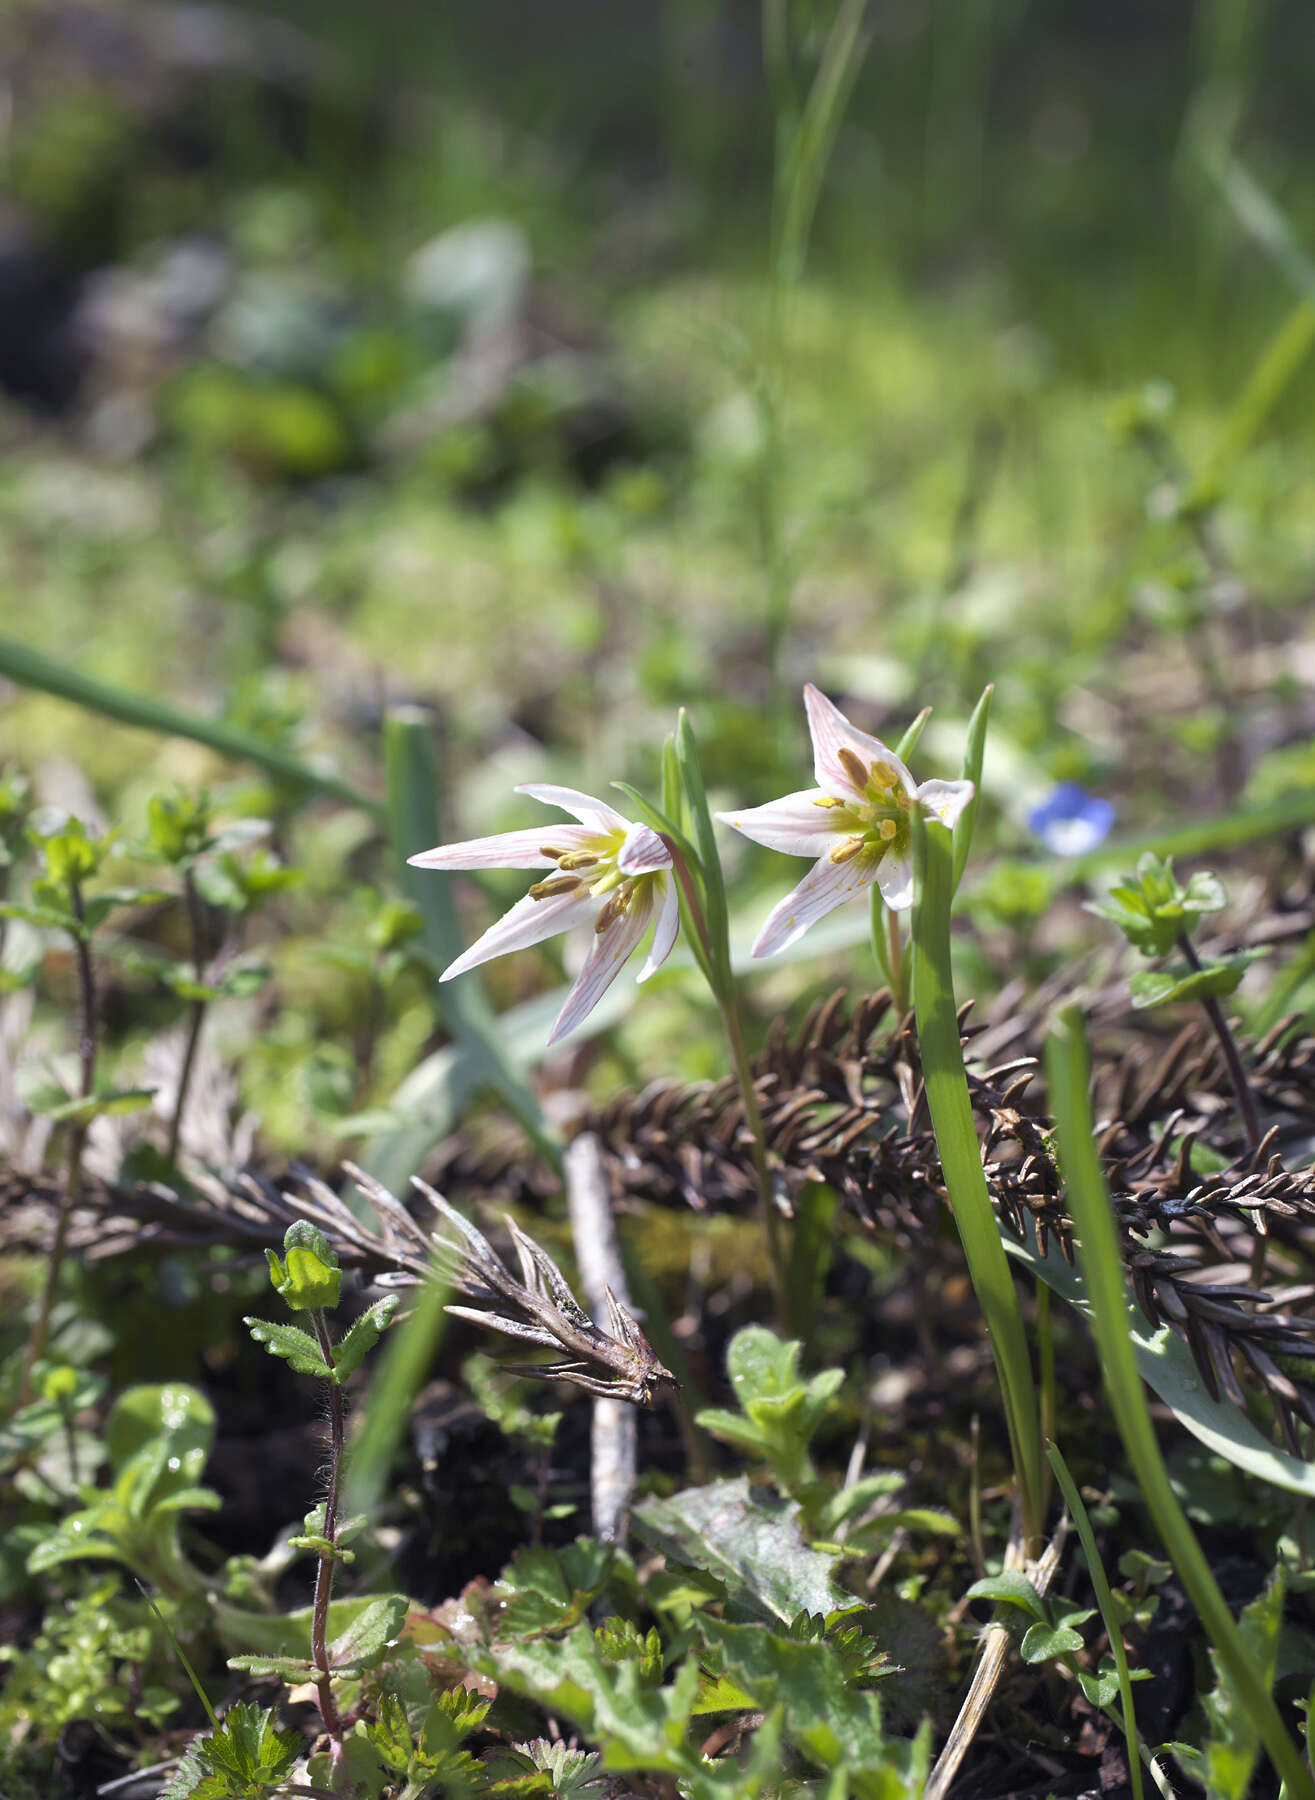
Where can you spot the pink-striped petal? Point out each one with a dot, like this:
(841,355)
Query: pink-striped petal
(831,731)
(668,924)
(944,800)
(603,963)
(506,850)
(596,814)
(643,852)
(794,823)
(826,886)
(895,879)
(528,922)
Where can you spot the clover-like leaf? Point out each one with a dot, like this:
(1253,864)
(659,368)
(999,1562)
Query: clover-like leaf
(1041,1643)
(1013,1588)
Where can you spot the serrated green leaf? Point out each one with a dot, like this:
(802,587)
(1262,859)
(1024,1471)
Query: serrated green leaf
(751,1542)
(833,1724)
(298,1348)
(1179,982)
(552,1590)
(363,1336)
(364,1641)
(307,1276)
(292,1669)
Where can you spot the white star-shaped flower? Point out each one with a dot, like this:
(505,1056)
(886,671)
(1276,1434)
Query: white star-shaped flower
(855,822)
(611,875)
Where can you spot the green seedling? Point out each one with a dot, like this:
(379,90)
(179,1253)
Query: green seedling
(308,1278)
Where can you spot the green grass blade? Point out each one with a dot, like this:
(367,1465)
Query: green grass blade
(974,751)
(814,138)
(961,1157)
(1068,1073)
(408,1356)
(29,668)
(909,742)
(1105,1601)
(412,785)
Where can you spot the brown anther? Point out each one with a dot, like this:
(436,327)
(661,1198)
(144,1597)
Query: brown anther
(613,907)
(853,765)
(555,884)
(551,852)
(847,851)
(578,859)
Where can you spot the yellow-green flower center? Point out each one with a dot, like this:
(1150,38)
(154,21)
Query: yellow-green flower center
(875,817)
(591,868)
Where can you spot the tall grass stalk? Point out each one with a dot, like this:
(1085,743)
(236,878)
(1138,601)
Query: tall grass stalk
(806,129)
(961,1161)
(1068,1072)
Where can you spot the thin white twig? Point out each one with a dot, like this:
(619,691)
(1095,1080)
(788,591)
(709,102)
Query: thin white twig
(615,1456)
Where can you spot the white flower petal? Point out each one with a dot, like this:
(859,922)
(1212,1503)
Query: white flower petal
(596,814)
(506,850)
(944,800)
(668,924)
(528,922)
(643,852)
(794,823)
(831,731)
(895,879)
(826,886)
(603,963)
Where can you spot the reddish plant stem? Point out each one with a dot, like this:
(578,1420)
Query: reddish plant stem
(324,1576)
(1242,1091)
(196,921)
(72,1187)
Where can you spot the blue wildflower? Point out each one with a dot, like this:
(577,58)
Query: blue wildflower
(1070,821)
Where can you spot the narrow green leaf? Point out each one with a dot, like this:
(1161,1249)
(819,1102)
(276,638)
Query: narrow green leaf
(974,753)
(960,1154)
(29,668)
(1121,1677)
(1166,1365)
(108,1102)
(1068,1074)
(705,839)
